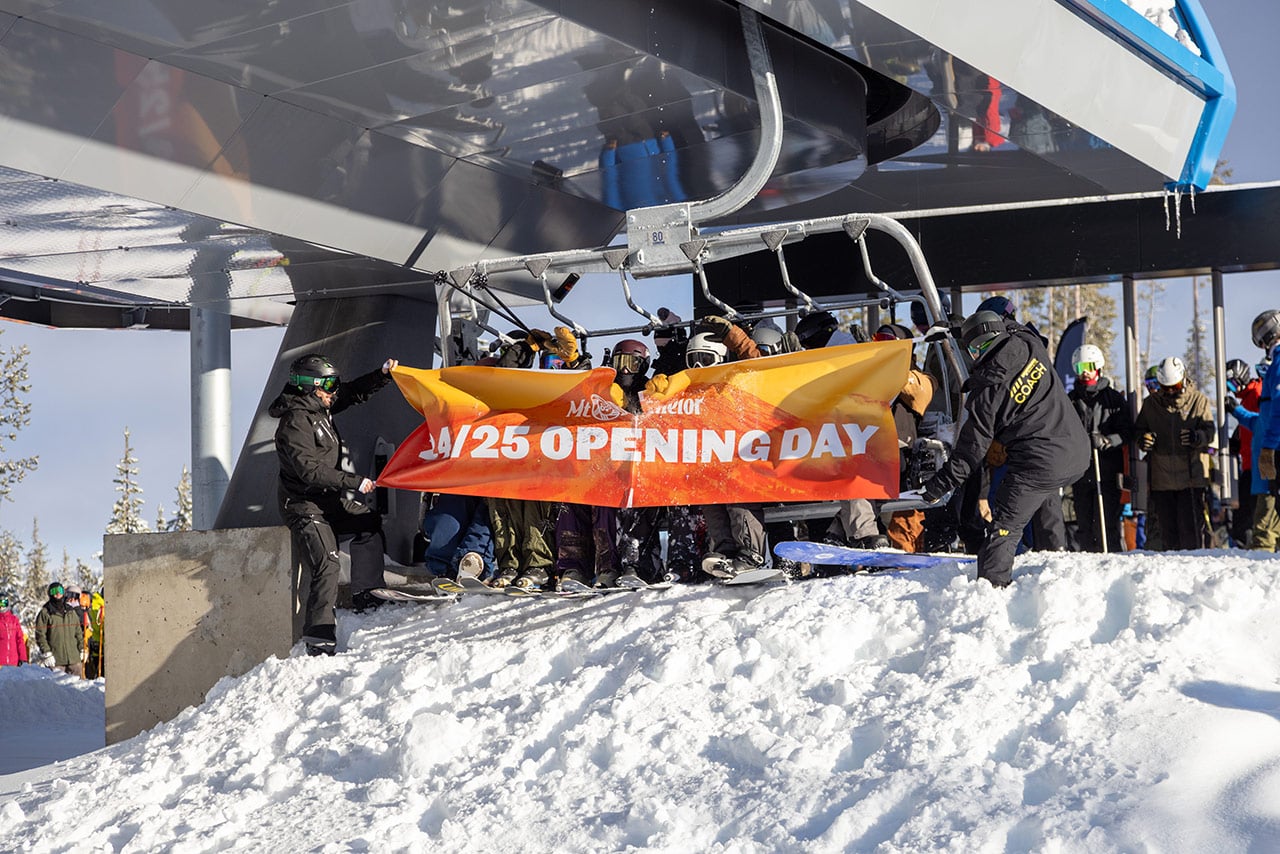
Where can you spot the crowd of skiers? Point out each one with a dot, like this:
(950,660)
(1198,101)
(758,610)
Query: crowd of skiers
(68,633)
(1022,441)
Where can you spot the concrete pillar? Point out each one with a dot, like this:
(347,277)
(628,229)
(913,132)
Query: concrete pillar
(183,611)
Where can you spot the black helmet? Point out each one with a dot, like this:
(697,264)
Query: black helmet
(815,330)
(770,341)
(1238,373)
(1002,306)
(630,357)
(56,589)
(1266,328)
(313,371)
(980,330)
(918,316)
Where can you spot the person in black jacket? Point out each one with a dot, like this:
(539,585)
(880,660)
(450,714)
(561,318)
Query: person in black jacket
(317,490)
(1104,412)
(1014,397)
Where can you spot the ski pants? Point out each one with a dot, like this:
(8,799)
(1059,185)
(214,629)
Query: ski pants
(639,541)
(1085,495)
(316,538)
(1242,518)
(523,534)
(686,539)
(585,541)
(1266,524)
(855,520)
(1016,499)
(736,530)
(1183,516)
(455,525)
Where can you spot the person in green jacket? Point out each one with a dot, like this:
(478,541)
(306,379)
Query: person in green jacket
(60,633)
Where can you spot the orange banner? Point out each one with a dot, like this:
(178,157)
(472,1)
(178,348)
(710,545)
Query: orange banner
(802,426)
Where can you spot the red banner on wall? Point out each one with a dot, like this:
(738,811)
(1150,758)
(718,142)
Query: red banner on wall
(803,426)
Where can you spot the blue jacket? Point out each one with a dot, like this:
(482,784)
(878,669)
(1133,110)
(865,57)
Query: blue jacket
(1249,420)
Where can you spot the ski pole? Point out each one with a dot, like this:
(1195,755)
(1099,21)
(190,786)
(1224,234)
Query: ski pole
(1102,513)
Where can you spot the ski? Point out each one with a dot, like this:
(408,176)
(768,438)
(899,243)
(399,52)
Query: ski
(823,553)
(763,575)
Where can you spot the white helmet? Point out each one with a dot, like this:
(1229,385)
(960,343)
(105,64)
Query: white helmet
(704,350)
(1088,354)
(1171,371)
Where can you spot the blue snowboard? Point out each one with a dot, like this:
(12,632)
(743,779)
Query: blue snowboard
(878,558)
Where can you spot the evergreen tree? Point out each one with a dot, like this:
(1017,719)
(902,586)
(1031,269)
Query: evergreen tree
(161,524)
(1052,308)
(15,413)
(38,559)
(181,520)
(1197,359)
(126,514)
(1149,293)
(86,577)
(12,573)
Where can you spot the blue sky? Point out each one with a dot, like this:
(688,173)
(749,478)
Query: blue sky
(89,386)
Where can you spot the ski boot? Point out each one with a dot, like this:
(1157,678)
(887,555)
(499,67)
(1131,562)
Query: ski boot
(471,564)
(718,565)
(320,640)
(573,577)
(504,578)
(531,580)
(607,578)
(365,601)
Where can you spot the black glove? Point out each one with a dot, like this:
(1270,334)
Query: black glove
(1147,442)
(1100,442)
(1230,402)
(1188,438)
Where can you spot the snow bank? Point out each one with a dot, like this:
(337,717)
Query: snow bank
(1099,704)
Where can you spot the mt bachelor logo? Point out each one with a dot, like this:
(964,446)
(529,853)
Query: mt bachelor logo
(598,408)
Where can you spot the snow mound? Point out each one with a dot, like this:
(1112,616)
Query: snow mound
(1102,703)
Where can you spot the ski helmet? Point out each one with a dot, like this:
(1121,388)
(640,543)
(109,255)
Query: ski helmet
(770,341)
(1001,305)
(921,319)
(1266,328)
(704,351)
(1171,372)
(815,330)
(980,331)
(1149,378)
(630,357)
(313,371)
(1088,357)
(891,332)
(1238,374)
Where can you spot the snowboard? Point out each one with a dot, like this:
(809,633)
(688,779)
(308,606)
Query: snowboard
(428,595)
(822,553)
(763,575)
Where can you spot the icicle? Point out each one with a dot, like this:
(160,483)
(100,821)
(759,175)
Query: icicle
(1192,192)
(1177,209)
(1166,208)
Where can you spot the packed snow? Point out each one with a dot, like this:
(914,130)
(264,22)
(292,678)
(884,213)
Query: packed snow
(1101,703)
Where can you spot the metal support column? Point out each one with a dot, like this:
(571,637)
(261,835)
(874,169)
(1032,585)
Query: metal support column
(1132,371)
(1226,463)
(210,413)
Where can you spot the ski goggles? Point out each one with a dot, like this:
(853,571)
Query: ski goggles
(1087,368)
(56,590)
(328,385)
(4,601)
(550,362)
(976,350)
(626,363)
(1152,384)
(701,359)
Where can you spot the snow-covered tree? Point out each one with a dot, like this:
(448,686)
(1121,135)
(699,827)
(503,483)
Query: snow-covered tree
(161,524)
(12,573)
(86,576)
(15,413)
(1197,358)
(181,520)
(1052,308)
(126,514)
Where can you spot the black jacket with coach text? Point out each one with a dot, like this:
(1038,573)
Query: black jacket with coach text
(309,448)
(1015,397)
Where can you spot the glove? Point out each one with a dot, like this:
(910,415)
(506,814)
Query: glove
(1100,442)
(921,494)
(366,486)
(1230,402)
(984,509)
(538,339)
(1147,442)
(664,386)
(937,333)
(388,365)
(49,661)
(564,345)
(716,326)
(1188,438)
(1267,463)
